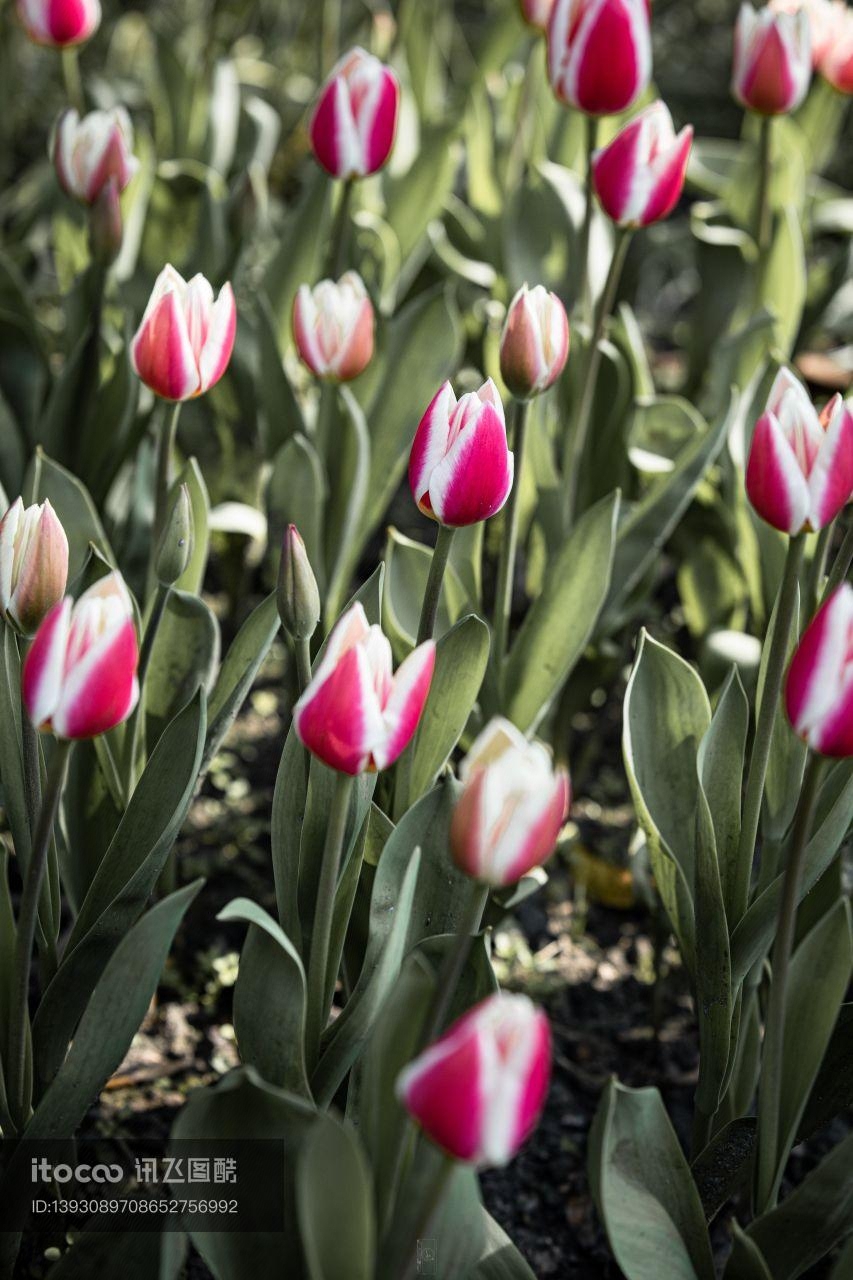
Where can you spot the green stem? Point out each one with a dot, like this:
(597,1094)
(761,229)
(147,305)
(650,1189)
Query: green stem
(19,1103)
(165,448)
(765,173)
(325,908)
(841,565)
(48,914)
(432,593)
(132,734)
(454,965)
(583,299)
(336,255)
(817,568)
(302,654)
(786,603)
(575,442)
(71,75)
(432,1204)
(509,545)
(770,1161)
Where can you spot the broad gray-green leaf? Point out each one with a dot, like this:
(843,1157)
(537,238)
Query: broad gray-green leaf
(281,416)
(241,664)
(713,969)
(721,760)
(184,657)
(193,576)
(296,494)
(745,1260)
(74,507)
(334,1200)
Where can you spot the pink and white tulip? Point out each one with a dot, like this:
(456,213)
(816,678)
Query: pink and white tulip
(460,468)
(79,676)
(357,715)
(355,120)
(639,176)
(60,23)
(185,338)
(819,687)
(333,327)
(534,342)
(479,1090)
(825,18)
(514,802)
(799,473)
(536,13)
(836,63)
(33,564)
(88,153)
(772,67)
(600,53)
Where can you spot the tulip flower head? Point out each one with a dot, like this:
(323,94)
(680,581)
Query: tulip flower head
(185,338)
(87,153)
(33,564)
(819,687)
(513,803)
(825,18)
(639,176)
(600,53)
(357,715)
(772,60)
(297,594)
(836,63)
(60,23)
(478,1091)
(79,676)
(536,13)
(355,120)
(333,327)
(534,342)
(460,468)
(799,473)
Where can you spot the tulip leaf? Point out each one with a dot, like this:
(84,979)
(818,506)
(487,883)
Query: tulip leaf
(460,664)
(334,1200)
(123,881)
(415,198)
(240,665)
(407,566)
(74,507)
(561,620)
(783,281)
(713,969)
(281,416)
(721,764)
(745,1262)
(500,1260)
(296,494)
(722,1167)
(347,495)
(193,576)
(184,657)
(111,1017)
(643,1189)
(269,1000)
(832,1091)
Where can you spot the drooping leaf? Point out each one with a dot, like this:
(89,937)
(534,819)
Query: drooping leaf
(334,1198)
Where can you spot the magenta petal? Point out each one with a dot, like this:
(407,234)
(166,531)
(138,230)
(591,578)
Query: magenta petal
(442,1091)
(831,479)
(473,481)
(404,708)
(41,678)
(384,126)
(775,485)
(768,84)
(325,131)
(219,343)
(161,352)
(430,443)
(670,183)
(101,690)
(614,170)
(532,1097)
(815,689)
(330,718)
(609,74)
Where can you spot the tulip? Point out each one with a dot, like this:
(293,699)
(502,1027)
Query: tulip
(836,63)
(333,327)
(33,564)
(534,342)
(799,473)
(185,339)
(536,13)
(477,1091)
(824,17)
(356,714)
(772,60)
(460,468)
(88,152)
(353,126)
(639,176)
(60,22)
(511,809)
(297,593)
(79,676)
(819,687)
(600,53)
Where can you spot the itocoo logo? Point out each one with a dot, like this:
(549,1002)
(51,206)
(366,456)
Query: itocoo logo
(44,1171)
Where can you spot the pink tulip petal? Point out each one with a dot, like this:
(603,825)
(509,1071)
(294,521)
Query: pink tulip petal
(535,1089)
(818,671)
(469,829)
(405,706)
(383,125)
(355,355)
(614,168)
(473,480)
(44,665)
(610,58)
(100,690)
(305,331)
(219,343)
(43,574)
(325,128)
(441,1090)
(531,836)
(161,352)
(767,84)
(669,182)
(430,444)
(831,478)
(775,484)
(336,717)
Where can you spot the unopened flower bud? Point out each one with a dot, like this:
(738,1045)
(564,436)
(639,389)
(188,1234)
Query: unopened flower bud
(176,542)
(535,342)
(298,595)
(33,564)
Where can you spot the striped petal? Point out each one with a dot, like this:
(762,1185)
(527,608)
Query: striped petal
(430,444)
(44,665)
(162,353)
(831,478)
(219,343)
(775,483)
(100,690)
(472,482)
(337,718)
(404,708)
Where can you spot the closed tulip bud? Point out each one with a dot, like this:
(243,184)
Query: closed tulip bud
(772,60)
(298,596)
(33,564)
(799,473)
(176,542)
(536,13)
(819,687)
(535,342)
(79,676)
(836,62)
(479,1090)
(508,818)
(185,339)
(105,226)
(600,53)
(357,715)
(60,23)
(90,152)
(333,328)
(355,120)
(639,176)
(460,468)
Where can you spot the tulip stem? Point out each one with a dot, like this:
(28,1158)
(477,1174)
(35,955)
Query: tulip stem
(575,442)
(336,256)
(509,545)
(432,1203)
(302,654)
(453,965)
(165,449)
(319,955)
(817,568)
(765,173)
(769,1161)
(841,565)
(132,733)
(432,593)
(786,603)
(71,75)
(584,297)
(19,1103)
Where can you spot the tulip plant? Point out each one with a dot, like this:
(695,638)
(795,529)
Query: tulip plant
(411,291)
